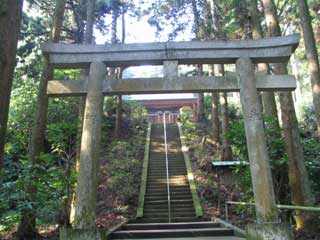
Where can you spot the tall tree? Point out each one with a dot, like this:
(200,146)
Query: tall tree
(196,17)
(210,15)
(298,176)
(115,5)
(268,98)
(226,151)
(312,56)
(119,97)
(214,112)
(27,224)
(10,21)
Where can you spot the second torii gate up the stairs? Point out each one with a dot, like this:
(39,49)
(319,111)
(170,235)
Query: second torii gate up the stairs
(243,53)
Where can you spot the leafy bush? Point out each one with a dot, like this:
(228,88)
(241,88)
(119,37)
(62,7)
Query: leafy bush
(309,121)
(312,160)
(125,171)
(52,176)
(276,150)
(50,181)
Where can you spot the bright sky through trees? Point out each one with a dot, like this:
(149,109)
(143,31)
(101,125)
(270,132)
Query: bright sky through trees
(137,32)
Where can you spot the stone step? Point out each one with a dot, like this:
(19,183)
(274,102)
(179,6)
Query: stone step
(172,202)
(195,238)
(166,220)
(155,198)
(181,196)
(173,210)
(164,185)
(153,188)
(165,206)
(179,182)
(164,200)
(165,214)
(161,193)
(172,233)
(162,161)
(149,207)
(158,188)
(163,166)
(150,226)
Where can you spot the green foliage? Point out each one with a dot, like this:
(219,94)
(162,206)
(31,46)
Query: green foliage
(309,120)
(189,128)
(136,112)
(312,160)
(276,150)
(237,137)
(52,174)
(186,115)
(50,181)
(49,175)
(124,170)
(169,15)
(278,157)
(125,165)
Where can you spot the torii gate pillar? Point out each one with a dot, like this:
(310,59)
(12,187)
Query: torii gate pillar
(85,207)
(268,225)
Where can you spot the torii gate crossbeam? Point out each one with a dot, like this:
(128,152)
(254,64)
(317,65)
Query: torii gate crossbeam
(267,50)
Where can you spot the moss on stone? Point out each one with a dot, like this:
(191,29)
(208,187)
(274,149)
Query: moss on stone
(144,173)
(192,184)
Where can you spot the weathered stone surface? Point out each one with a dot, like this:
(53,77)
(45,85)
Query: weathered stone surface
(170,69)
(85,207)
(257,149)
(269,231)
(228,83)
(82,234)
(277,49)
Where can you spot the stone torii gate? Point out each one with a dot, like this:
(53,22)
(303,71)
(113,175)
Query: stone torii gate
(243,53)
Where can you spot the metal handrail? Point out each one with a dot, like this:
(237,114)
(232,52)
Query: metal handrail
(292,207)
(167,164)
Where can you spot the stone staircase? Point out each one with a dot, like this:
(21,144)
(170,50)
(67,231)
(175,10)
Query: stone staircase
(155,221)
(184,230)
(156,197)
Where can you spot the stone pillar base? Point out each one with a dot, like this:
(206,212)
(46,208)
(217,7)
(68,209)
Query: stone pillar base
(83,234)
(269,231)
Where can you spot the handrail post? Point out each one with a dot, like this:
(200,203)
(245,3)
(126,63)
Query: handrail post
(226,207)
(167,164)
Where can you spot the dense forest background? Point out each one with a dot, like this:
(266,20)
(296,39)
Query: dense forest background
(53,175)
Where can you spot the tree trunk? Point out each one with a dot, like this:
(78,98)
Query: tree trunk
(298,176)
(196,19)
(215,112)
(201,110)
(295,72)
(312,56)
(226,151)
(10,20)
(119,97)
(243,13)
(26,227)
(268,98)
